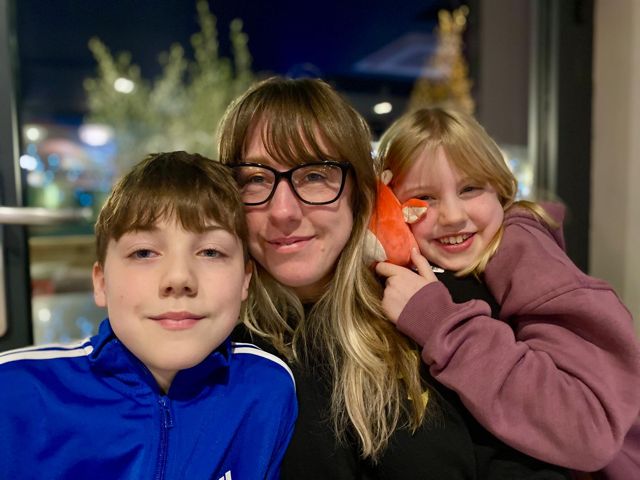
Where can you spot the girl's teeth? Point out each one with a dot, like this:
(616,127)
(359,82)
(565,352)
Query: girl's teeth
(453,240)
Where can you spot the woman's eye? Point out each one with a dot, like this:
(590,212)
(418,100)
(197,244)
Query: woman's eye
(256,179)
(313,177)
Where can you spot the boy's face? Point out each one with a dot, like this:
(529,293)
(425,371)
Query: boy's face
(463,215)
(173,296)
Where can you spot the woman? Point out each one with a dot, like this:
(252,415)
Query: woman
(301,157)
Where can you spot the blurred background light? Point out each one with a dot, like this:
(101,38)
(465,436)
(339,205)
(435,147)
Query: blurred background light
(33,133)
(95,135)
(123,85)
(382,108)
(27,162)
(44,315)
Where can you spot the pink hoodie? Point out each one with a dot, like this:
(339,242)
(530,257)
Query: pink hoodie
(557,376)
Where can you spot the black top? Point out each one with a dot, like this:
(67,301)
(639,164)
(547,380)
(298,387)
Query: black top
(449,445)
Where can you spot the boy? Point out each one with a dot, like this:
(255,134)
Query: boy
(159,392)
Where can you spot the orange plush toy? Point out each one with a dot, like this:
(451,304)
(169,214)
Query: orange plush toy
(389,238)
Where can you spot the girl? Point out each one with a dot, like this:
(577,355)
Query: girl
(302,160)
(555,372)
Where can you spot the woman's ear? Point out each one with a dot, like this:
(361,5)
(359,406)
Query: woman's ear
(248,272)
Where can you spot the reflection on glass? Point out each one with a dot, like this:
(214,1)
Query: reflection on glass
(63,317)
(70,158)
(63,170)
(517,157)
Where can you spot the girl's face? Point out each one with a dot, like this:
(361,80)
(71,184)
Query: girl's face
(463,215)
(297,243)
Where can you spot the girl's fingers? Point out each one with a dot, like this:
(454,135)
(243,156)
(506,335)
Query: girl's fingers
(386,269)
(421,263)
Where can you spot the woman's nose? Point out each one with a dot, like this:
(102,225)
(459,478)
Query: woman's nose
(284,205)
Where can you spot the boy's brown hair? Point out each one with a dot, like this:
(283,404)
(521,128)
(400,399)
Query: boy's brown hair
(190,188)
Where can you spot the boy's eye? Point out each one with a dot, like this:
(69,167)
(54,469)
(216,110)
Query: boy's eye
(210,252)
(427,198)
(143,253)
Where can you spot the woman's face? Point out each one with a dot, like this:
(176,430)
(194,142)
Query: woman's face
(463,215)
(297,243)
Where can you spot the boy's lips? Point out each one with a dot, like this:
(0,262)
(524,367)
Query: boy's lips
(183,315)
(177,320)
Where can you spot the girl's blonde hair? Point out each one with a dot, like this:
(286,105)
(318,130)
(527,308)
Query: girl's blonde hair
(469,149)
(373,368)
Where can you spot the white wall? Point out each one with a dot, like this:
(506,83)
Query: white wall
(615,201)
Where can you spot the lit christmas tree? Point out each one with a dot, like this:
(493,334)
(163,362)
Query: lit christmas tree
(453,87)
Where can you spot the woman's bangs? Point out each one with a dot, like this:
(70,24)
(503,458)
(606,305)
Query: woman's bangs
(292,142)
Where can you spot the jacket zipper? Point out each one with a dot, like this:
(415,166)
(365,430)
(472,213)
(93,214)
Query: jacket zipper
(166,422)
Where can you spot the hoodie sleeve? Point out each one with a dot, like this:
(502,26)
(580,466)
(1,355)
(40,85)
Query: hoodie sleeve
(556,377)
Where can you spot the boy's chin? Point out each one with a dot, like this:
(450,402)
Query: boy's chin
(186,361)
(175,362)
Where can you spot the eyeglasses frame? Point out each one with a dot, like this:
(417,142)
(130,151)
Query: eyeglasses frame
(287,174)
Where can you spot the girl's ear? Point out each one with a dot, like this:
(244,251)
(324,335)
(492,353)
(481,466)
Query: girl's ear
(99,288)
(386,176)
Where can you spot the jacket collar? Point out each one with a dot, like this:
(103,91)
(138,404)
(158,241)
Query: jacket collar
(112,360)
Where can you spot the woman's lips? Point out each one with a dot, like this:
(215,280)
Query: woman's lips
(289,244)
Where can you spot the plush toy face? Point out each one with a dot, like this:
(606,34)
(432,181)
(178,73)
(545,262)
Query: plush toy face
(389,238)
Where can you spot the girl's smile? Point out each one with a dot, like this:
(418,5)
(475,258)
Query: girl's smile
(463,216)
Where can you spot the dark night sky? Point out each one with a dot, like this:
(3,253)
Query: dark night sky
(283,35)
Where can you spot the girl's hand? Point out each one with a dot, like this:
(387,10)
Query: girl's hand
(402,283)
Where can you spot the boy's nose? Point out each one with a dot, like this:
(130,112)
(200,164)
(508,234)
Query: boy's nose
(178,280)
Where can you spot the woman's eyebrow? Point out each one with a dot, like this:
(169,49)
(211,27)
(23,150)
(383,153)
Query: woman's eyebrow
(256,159)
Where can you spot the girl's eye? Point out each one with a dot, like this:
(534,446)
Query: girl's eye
(470,188)
(143,253)
(427,198)
(210,253)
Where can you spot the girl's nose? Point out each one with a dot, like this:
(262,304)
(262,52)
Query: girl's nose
(451,212)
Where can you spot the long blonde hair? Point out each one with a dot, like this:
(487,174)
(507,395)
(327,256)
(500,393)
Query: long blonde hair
(468,147)
(373,368)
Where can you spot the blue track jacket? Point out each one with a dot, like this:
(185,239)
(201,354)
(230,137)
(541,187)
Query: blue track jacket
(93,411)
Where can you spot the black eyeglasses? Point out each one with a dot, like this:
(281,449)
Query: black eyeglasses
(317,183)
